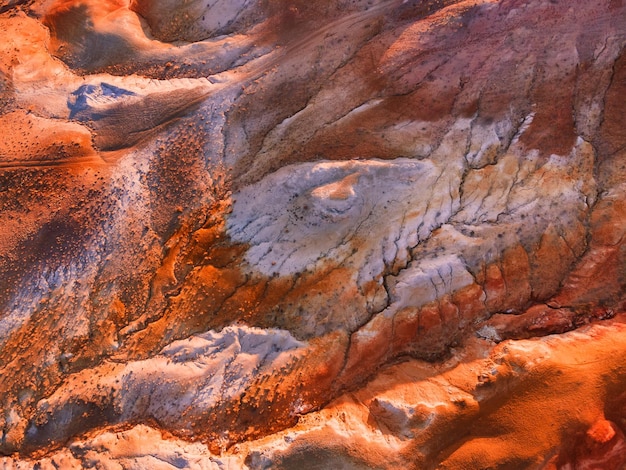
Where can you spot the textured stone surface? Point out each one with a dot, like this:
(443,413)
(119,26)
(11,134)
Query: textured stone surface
(237,229)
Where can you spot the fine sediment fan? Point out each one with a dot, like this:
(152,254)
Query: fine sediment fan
(221,219)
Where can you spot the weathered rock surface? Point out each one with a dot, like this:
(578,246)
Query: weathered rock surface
(232,232)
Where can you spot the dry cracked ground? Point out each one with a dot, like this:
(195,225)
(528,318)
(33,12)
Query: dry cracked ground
(365,234)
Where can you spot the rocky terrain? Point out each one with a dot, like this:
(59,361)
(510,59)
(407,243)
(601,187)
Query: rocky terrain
(355,234)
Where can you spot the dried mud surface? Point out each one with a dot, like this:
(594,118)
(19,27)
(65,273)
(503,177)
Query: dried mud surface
(286,234)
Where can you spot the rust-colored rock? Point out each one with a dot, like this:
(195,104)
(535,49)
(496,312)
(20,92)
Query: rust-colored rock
(231,233)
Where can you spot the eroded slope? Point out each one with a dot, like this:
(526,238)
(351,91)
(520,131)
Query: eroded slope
(221,218)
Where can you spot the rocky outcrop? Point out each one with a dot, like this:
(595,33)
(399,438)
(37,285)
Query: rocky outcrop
(240,228)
